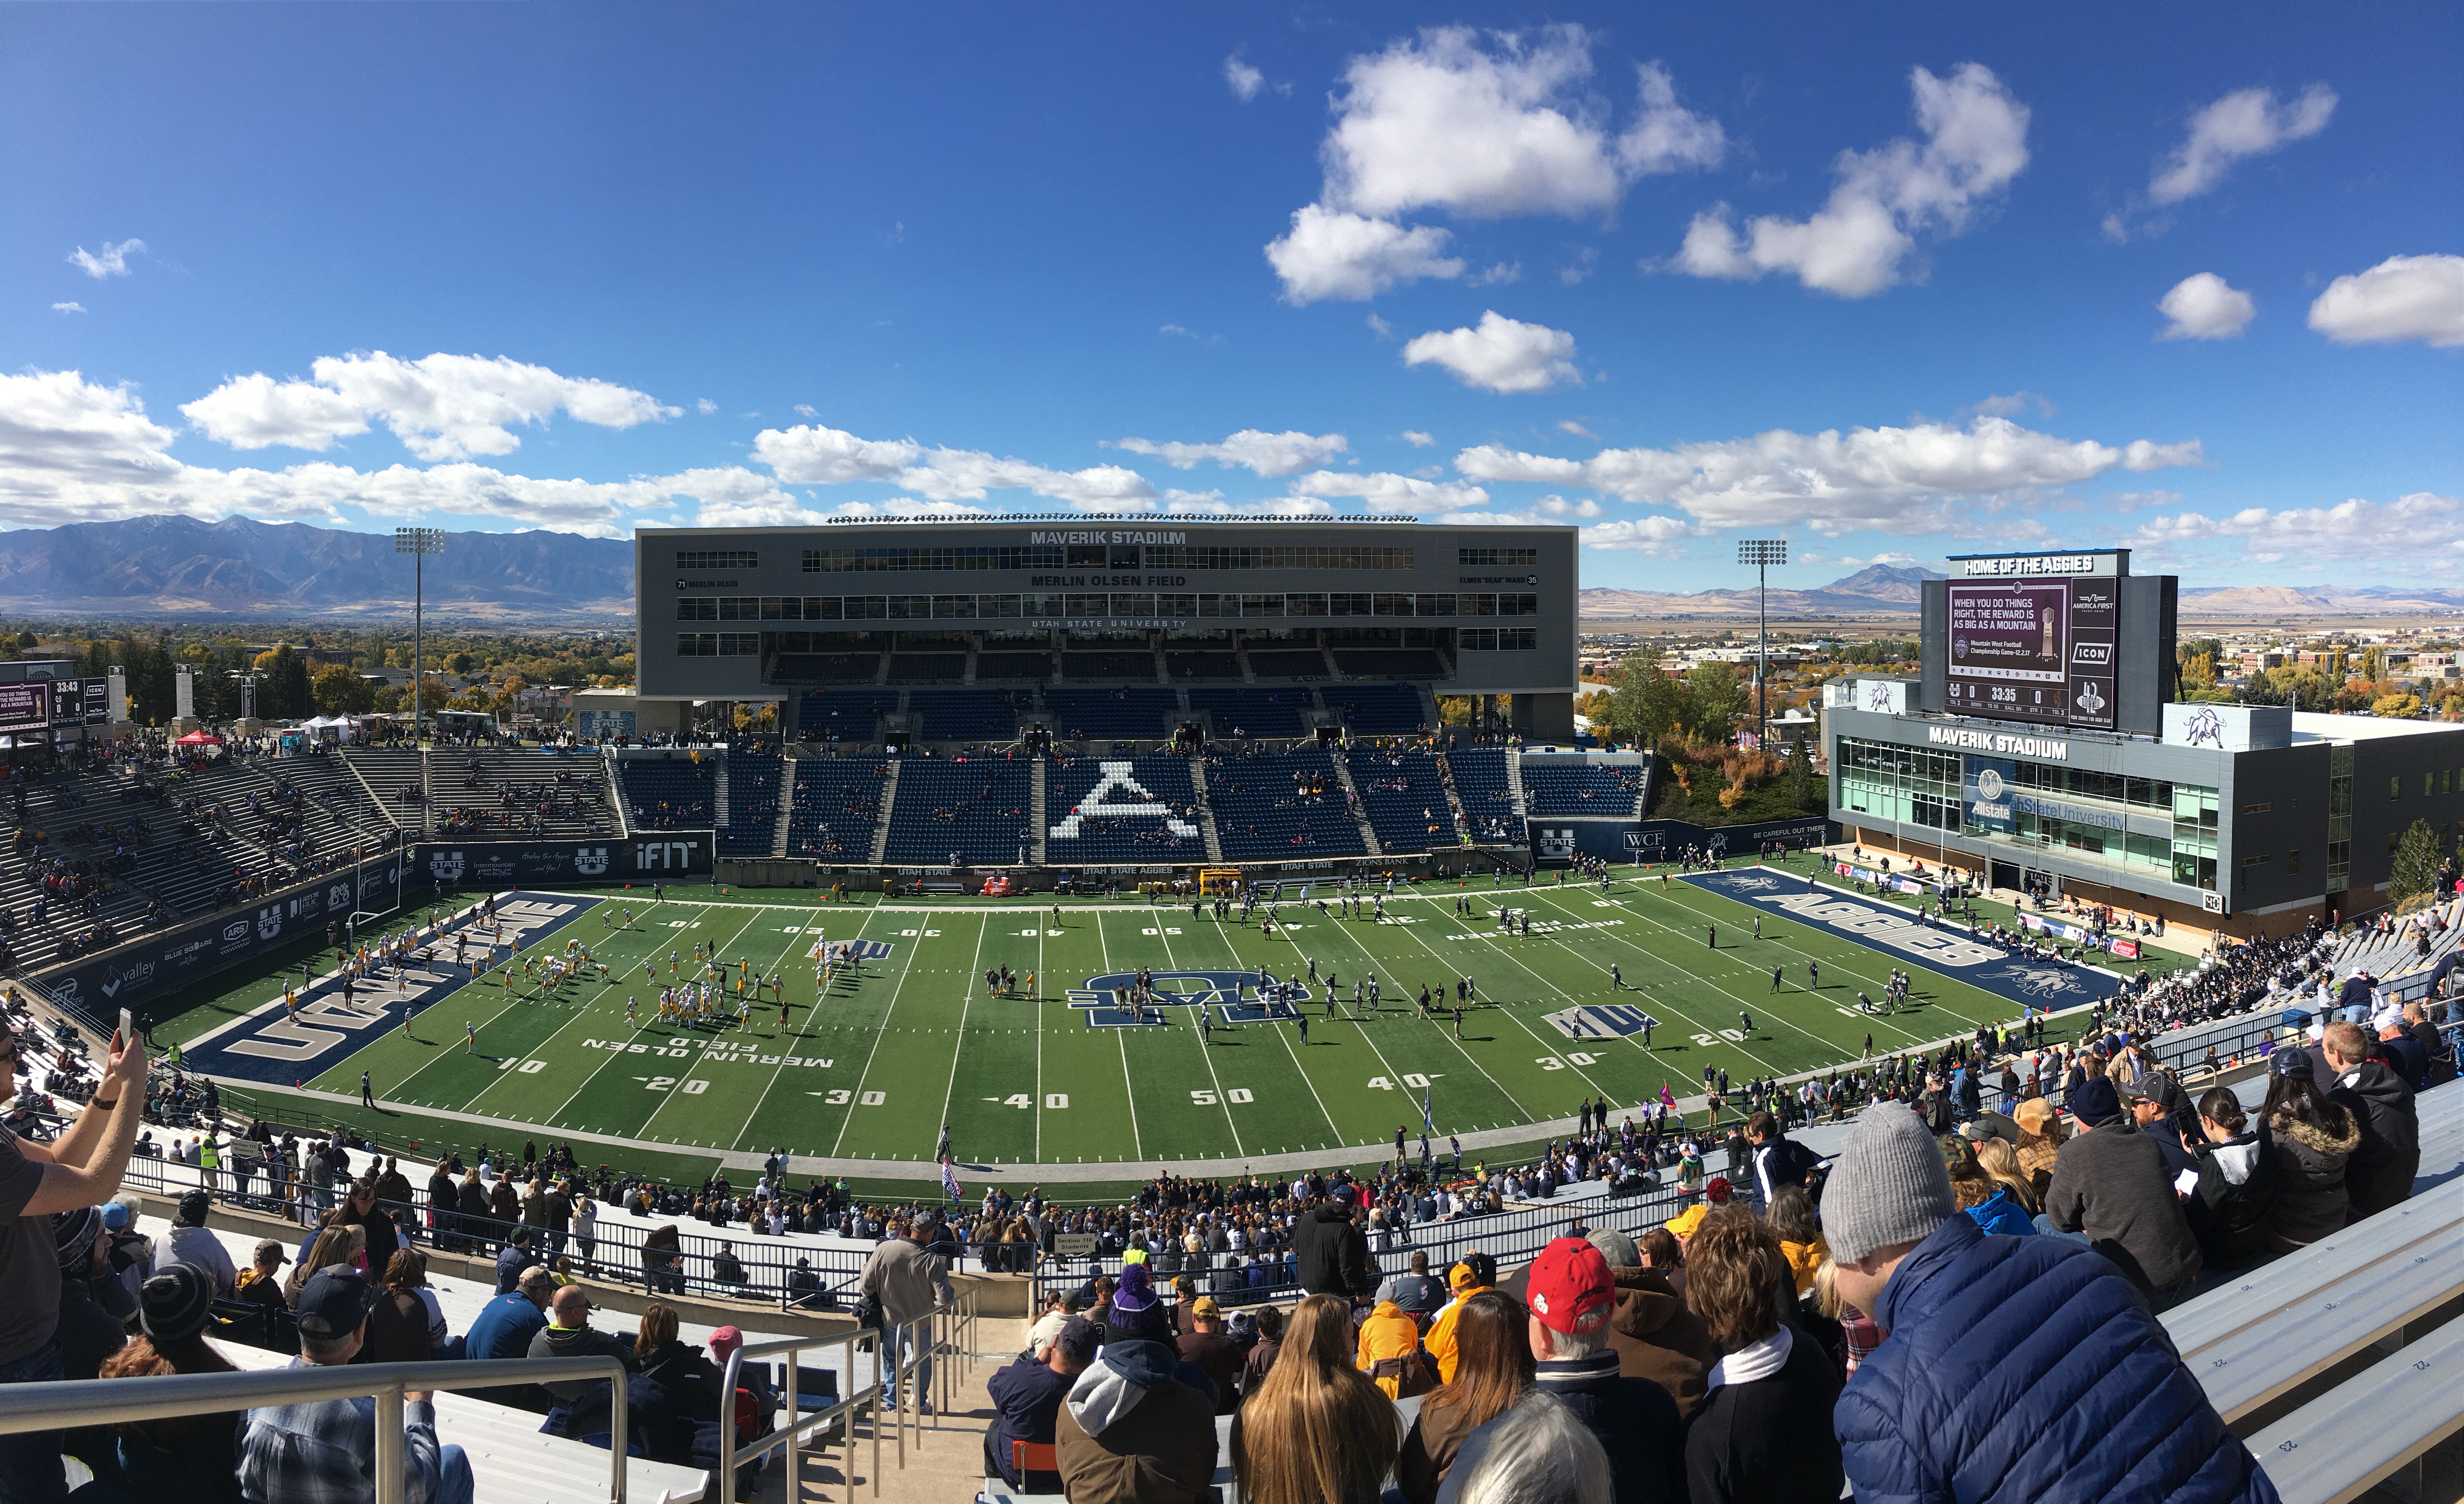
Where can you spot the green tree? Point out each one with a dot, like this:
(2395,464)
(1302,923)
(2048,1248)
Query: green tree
(1716,698)
(282,691)
(1641,706)
(2417,862)
(339,691)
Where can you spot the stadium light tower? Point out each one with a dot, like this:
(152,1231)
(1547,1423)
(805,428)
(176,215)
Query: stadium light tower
(418,542)
(1763,553)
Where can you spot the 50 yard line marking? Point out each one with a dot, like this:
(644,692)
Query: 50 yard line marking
(1354,1019)
(1206,1054)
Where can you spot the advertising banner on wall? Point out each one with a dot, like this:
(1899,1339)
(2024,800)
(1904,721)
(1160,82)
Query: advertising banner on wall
(1985,789)
(661,856)
(128,975)
(1557,841)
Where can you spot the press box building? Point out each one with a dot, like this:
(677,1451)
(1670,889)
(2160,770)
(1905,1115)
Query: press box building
(2042,746)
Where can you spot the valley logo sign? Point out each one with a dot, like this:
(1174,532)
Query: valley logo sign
(1244,997)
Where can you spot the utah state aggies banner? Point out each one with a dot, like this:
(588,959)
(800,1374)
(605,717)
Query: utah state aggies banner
(655,856)
(128,974)
(1555,841)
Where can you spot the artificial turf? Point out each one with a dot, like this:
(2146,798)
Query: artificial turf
(874,1071)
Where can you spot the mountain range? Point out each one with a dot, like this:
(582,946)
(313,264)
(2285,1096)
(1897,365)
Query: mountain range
(180,568)
(183,569)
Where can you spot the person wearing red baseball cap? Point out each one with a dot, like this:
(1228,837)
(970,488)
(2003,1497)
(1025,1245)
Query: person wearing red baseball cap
(1572,1296)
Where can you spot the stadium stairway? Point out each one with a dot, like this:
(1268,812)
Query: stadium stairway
(1035,807)
(1514,783)
(1359,806)
(786,807)
(1205,811)
(881,826)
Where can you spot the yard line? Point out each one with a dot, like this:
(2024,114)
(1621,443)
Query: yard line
(1120,1037)
(810,1023)
(1206,1054)
(638,1031)
(881,1030)
(1038,1000)
(1884,1018)
(1473,1060)
(949,1094)
(698,1061)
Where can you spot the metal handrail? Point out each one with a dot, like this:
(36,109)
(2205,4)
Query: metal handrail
(51,1405)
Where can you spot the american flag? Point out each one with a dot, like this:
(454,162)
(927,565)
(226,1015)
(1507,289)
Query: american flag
(950,1183)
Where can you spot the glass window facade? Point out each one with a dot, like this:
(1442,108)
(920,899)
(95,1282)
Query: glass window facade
(2140,827)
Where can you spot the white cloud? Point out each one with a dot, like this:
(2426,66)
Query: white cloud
(1263,454)
(1570,425)
(2358,530)
(2011,405)
(1440,122)
(1856,244)
(2247,122)
(1245,80)
(1656,537)
(1923,477)
(1417,439)
(1482,127)
(2403,297)
(2134,501)
(112,262)
(826,456)
(805,409)
(1492,277)
(1586,261)
(68,308)
(2203,306)
(71,450)
(1332,253)
(705,406)
(1666,137)
(1500,355)
(1382,491)
(443,407)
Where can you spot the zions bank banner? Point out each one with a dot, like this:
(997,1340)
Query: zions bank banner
(128,975)
(1555,841)
(663,856)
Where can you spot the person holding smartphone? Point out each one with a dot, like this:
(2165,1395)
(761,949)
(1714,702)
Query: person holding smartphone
(82,1168)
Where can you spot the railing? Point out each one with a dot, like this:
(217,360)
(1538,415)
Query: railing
(56,1405)
(946,1330)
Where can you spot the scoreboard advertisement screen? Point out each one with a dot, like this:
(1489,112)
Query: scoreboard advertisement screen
(25,706)
(2032,649)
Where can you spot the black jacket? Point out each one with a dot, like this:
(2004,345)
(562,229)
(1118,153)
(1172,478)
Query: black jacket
(1634,1419)
(1768,1440)
(2113,1184)
(2237,1192)
(2380,1173)
(1332,1254)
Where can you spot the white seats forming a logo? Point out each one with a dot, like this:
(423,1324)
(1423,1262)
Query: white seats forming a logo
(1118,776)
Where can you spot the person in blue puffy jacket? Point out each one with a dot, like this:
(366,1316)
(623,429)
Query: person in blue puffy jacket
(2017,1369)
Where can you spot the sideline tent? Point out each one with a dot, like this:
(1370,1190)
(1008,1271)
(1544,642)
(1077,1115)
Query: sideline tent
(199,738)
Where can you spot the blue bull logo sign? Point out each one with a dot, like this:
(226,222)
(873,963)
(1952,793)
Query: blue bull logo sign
(1244,996)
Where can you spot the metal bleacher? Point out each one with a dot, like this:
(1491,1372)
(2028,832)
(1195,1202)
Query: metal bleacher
(2342,1365)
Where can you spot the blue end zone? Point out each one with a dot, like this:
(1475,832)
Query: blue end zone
(266,1045)
(2038,985)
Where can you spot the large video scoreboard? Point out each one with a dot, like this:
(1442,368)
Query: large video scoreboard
(2055,639)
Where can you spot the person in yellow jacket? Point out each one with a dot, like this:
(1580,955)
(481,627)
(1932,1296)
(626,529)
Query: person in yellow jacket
(1390,1352)
(1477,1272)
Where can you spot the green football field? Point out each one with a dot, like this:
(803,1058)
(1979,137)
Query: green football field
(873,1070)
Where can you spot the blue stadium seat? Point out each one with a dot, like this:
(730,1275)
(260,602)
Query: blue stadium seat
(1133,713)
(1487,794)
(1281,663)
(668,793)
(1011,664)
(1140,839)
(1117,668)
(853,714)
(1567,787)
(1380,710)
(1287,806)
(977,808)
(1404,797)
(836,807)
(753,781)
(969,715)
(1400,663)
(1253,712)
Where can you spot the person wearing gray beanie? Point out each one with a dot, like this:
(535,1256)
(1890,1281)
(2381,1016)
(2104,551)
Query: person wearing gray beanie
(1888,1188)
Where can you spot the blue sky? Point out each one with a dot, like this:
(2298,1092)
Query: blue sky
(1887,291)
